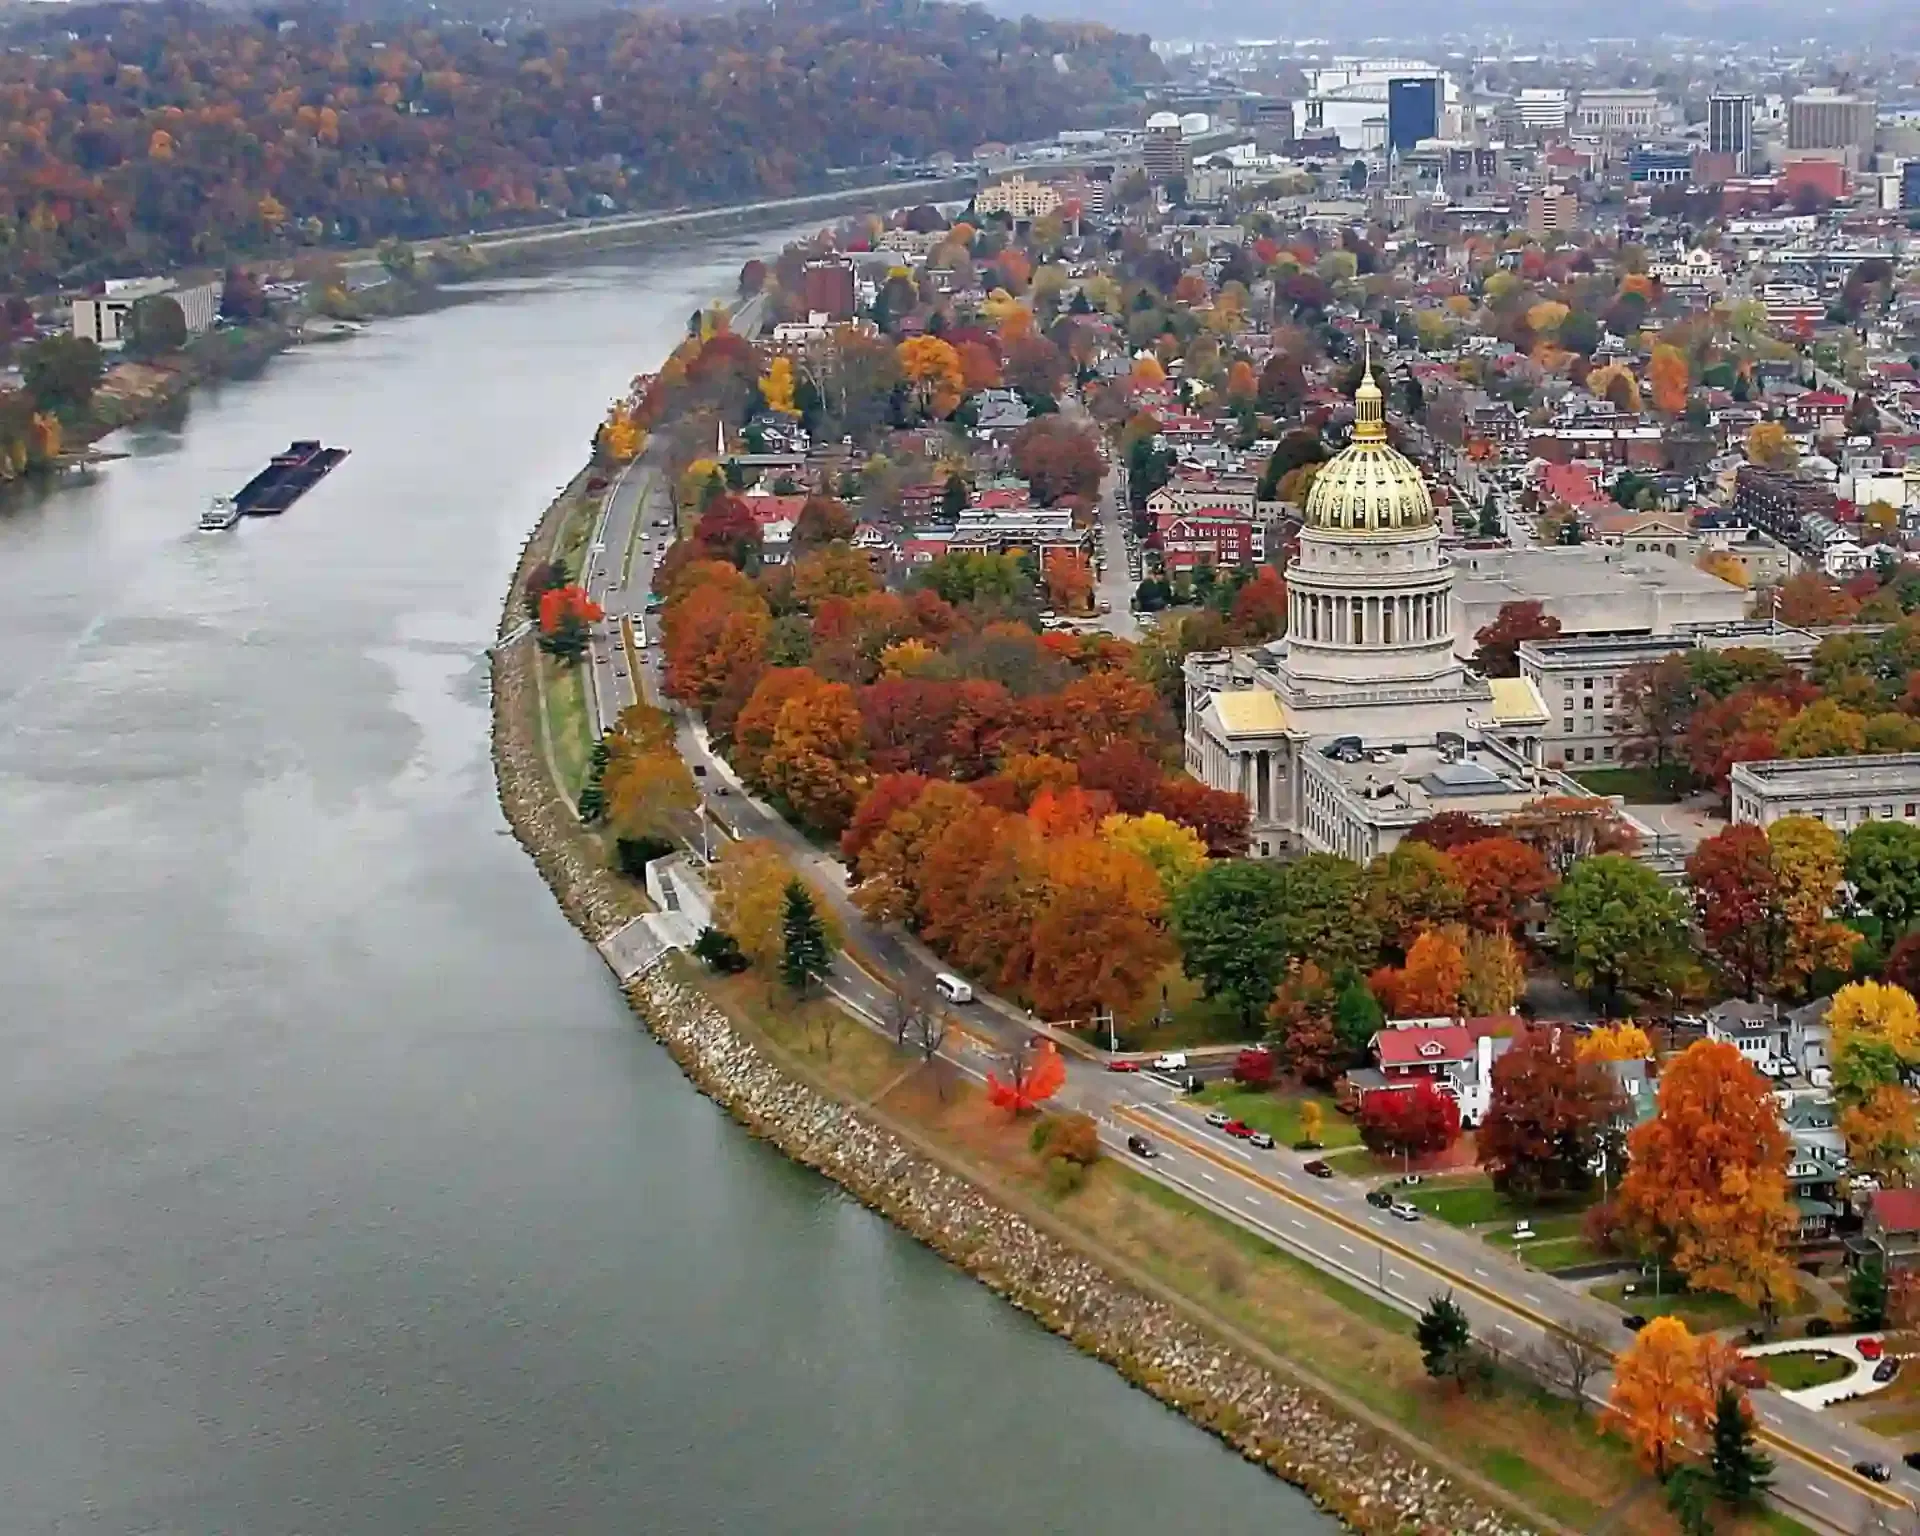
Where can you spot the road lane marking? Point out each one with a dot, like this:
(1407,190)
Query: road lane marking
(1532,1298)
(1300,1224)
(1253,1200)
(1345,1249)
(1208,1177)
(1816,1488)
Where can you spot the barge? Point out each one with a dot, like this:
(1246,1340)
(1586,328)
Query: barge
(287,477)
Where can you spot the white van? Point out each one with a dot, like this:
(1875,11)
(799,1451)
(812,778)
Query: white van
(952,988)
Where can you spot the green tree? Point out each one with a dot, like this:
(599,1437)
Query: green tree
(1883,866)
(1492,525)
(1323,913)
(1742,1472)
(1867,1293)
(1227,921)
(1621,927)
(1690,1500)
(1357,1015)
(1445,1337)
(156,324)
(805,956)
(62,372)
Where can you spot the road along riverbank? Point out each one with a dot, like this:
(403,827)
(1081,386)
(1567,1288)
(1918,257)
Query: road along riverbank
(1367,1478)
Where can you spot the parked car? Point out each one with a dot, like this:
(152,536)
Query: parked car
(1380,1198)
(1261,1140)
(1123,1066)
(1170,1061)
(1912,1459)
(1238,1128)
(1886,1370)
(1870,1349)
(1634,1321)
(1872,1471)
(1404,1211)
(1410,1180)
(1218,1117)
(1319,1170)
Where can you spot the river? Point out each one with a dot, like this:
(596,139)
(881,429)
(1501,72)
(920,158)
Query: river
(341,1193)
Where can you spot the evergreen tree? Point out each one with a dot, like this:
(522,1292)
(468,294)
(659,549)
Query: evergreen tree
(1689,1494)
(806,957)
(1444,1336)
(1741,1471)
(1491,525)
(1867,1293)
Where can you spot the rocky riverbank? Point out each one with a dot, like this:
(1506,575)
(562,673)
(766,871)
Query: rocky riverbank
(1367,1480)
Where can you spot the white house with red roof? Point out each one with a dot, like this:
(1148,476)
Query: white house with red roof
(777,517)
(1455,1055)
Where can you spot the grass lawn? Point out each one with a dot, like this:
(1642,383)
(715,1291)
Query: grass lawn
(1556,1253)
(1811,1368)
(1894,1423)
(1278,1114)
(1191,1019)
(567,720)
(1701,1311)
(1637,786)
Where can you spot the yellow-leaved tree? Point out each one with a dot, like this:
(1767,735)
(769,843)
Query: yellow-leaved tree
(1661,1400)
(776,386)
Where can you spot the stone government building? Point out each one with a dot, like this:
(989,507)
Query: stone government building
(1364,720)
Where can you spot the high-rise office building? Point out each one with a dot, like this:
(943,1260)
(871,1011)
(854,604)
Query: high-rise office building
(1910,184)
(1730,129)
(1413,111)
(1826,119)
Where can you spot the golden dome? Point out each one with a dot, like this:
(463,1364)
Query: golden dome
(1369,487)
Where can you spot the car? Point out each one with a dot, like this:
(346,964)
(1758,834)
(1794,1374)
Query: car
(1912,1459)
(1219,1117)
(1238,1128)
(1318,1169)
(723,789)
(1404,1211)
(1522,1230)
(1410,1180)
(1886,1370)
(1870,1349)
(699,770)
(1380,1198)
(1119,1065)
(1261,1140)
(1634,1321)
(1872,1471)
(1170,1061)
(1139,1146)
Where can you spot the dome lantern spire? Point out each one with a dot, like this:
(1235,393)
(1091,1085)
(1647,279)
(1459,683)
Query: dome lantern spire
(1369,409)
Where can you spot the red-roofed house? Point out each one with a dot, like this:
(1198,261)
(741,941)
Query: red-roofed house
(1893,1224)
(1578,485)
(1407,1050)
(1812,411)
(776,516)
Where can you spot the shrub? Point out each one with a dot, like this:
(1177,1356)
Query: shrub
(1818,1327)
(1076,1137)
(1254,1067)
(1041,1134)
(720,950)
(1064,1177)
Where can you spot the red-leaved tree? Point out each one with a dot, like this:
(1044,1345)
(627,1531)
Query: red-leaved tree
(1034,1075)
(1411,1121)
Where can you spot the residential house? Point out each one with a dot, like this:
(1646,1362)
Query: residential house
(1892,1226)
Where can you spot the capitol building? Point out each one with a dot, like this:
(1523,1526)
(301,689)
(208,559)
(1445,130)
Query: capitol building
(1362,721)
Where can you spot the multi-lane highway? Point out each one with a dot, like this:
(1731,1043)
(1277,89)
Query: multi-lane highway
(1514,1309)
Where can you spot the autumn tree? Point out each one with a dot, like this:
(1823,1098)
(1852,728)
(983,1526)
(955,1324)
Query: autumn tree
(1301,1026)
(1428,985)
(567,617)
(1097,941)
(1174,853)
(1498,644)
(1058,459)
(1706,1178)
(1410,890)
(1623,1041)
(1656,700)
(815,749)
(1028,1075)
(1667,375)
(749,882)
(1769,446)
(1620,926)
(1494,974)
(1410,1122)
(1568,828)
(1502,881)
(1660,1402)
(1737,906)
(1548,1115)
(932,370)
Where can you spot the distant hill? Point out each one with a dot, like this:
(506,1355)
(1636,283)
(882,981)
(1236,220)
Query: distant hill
(153,135)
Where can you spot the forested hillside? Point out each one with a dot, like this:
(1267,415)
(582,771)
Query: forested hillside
(143,136)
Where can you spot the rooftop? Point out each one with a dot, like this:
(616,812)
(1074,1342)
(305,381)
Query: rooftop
(1894,772)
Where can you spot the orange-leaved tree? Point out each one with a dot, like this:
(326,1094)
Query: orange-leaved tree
(932,367)
(1098,941)
(1661,1401)
(1428,985)
(1706,1179)
(1667,374)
